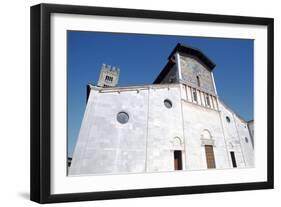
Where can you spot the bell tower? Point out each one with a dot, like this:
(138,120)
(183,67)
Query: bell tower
(194,71)
(109,76)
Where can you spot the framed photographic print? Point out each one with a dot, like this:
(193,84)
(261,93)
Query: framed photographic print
(133,103)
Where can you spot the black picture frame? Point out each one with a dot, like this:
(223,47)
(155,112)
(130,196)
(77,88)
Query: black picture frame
(41,96)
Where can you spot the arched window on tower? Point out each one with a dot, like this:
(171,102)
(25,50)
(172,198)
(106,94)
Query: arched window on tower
(198,80)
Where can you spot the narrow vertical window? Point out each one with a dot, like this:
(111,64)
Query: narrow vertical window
(178,160)
(207,100)
(234,164)
(194,95)
(198,81)
(210,158)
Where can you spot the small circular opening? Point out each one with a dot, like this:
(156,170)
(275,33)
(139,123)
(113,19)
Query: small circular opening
(122,117)
(168,103)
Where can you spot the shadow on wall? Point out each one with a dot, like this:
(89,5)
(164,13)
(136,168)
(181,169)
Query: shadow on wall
(24,195)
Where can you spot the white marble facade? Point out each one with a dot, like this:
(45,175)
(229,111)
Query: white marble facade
(180,113)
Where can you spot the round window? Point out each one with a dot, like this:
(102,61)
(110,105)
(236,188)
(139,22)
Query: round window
(227,119)
(246,139)
(168,103)
(122,117)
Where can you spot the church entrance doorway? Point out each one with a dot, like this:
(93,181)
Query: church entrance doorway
(210,156)
(178,160)
(234,164)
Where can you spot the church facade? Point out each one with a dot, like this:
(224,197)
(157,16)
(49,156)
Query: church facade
(176,123)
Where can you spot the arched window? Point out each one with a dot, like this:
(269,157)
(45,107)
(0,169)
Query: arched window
(108,78)
(227,119)
(198,80)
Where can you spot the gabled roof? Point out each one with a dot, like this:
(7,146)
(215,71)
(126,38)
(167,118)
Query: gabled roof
(193,52)
(164,72)
(229,108)
(185,50)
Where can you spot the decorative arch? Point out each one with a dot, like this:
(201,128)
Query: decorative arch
(206,134)
(177,143)
(208,143)
(177,147)
(207,138)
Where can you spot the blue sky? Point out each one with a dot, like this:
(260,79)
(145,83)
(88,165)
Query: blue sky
(142,57)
